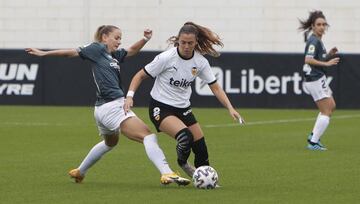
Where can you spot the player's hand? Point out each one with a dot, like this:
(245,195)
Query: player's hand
(148,33)
(333,51)
(128,104)
(35,51)
(236,116)
(333,61)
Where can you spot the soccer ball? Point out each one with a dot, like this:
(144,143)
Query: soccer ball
(205,177)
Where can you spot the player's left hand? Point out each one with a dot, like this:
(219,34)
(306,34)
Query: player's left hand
(236,116)
(148,33)
(333,51)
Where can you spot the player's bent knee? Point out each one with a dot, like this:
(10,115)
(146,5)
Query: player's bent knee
(184,138)
(333,107)
(111,140)
(139,135)
(111,144)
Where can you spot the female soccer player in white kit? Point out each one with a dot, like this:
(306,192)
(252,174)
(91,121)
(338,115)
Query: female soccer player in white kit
(175,70)
(317,61)
(110,117)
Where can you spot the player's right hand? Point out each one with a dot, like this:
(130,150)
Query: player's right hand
(128,104)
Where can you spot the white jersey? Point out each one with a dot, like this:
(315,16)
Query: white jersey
(174,76)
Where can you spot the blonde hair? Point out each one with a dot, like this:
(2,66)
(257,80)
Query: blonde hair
(104,29)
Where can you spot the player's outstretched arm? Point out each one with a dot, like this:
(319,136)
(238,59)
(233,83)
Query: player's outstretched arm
(134,85)
(136,47)
(224,100)
(61,52)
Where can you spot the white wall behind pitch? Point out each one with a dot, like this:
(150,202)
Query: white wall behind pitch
(244,25)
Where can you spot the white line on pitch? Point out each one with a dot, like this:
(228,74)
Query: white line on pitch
(264,122)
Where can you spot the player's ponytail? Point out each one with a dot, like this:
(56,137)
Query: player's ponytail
(104,29)
(204,36)
(306,25)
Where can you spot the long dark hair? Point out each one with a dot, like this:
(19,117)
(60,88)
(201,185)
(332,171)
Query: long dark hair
(204,36)
(104,29)
(306,25)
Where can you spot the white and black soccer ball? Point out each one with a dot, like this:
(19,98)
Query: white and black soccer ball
(205,177)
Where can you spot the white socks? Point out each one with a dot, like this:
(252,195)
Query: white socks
(320,126)
(152,149)
(93,156)
(155,154)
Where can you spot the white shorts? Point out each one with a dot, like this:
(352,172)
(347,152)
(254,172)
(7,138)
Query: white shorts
(318,89)
(110,115)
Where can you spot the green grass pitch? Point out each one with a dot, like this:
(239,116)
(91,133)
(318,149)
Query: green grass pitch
(264,161)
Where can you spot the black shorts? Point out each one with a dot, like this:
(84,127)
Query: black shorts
(158,111)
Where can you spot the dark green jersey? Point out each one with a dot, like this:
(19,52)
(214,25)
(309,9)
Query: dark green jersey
(315,49)
(106,70)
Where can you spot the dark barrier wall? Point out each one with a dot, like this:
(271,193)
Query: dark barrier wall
(26,79)
(264,80)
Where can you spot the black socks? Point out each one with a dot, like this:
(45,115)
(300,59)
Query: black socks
(201,154)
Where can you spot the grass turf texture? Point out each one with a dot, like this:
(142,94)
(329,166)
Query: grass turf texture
(257,163)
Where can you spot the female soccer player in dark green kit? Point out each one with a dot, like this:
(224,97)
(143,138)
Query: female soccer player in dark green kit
(317,61)
(110,116)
